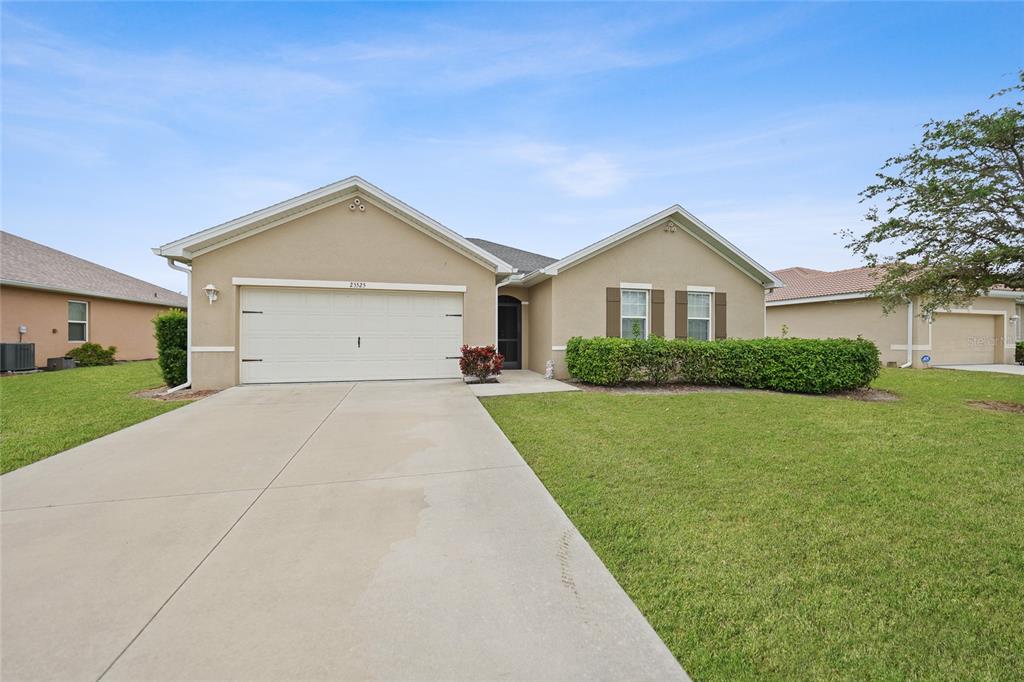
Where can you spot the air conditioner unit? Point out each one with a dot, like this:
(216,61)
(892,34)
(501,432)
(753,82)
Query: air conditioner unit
(17,357)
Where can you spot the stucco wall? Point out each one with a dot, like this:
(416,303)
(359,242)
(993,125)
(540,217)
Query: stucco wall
(864,317)
(111,323)
(331,244)
(540,325)
(670,261)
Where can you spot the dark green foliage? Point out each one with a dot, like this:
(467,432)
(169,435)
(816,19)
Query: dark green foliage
(92,355)
(171,332)
(951,224)
(793,365)
(1019,354)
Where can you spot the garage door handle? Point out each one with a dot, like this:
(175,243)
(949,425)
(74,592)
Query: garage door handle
(252,312)
(252,359)
(359,342)
(453,314)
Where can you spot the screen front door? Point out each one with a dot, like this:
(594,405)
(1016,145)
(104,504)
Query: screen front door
(510,331)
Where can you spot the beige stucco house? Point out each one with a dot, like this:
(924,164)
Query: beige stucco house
(349,283)
(819,304)
(58,301)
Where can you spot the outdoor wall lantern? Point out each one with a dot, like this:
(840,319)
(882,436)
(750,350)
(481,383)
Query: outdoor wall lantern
(211,292)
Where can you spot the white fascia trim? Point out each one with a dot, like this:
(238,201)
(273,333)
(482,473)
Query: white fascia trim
(344,284)
(511,280)
(207,240)
(703,234)
(700,288)
(820,299)
(558,347)
(1005,293)
(635,285)
(89,294)
(213,349)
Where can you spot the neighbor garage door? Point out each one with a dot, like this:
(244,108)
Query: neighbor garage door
(963,339)
(348,335)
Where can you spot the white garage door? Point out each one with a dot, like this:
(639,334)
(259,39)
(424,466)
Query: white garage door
(963,339)
(348,335)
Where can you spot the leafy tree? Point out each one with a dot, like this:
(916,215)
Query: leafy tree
(953,211)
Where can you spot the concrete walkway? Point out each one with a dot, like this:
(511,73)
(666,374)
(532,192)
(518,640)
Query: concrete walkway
(331,531)
(1003,368)
(518,382)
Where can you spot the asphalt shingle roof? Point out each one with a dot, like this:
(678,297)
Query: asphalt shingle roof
(524,261)
(25,261)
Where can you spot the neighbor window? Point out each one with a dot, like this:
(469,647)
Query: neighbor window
(78,321)
(634,314)
(698,316)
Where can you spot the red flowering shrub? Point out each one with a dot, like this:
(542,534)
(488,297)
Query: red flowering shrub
(481,362)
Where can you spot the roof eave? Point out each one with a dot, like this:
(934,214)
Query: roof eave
(240,227)
(707,236)
(85,292)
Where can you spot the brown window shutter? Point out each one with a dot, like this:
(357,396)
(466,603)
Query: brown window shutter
(613,320)
(720,317)
(680,314)
(658,312)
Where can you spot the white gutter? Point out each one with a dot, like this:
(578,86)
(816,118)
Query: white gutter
(188,327)
(910,334)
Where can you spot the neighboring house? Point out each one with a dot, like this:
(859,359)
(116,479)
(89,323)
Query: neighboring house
(58,301)
(348,283)
(819,304)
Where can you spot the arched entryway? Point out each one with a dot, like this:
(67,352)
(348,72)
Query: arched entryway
(510,331)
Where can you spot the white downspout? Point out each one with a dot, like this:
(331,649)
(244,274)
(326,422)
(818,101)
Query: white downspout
(910,334)
(188,328)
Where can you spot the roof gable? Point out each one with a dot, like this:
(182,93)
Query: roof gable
(682,219)
(32,265)
(344,190)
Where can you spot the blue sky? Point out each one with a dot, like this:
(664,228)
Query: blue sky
(546,126)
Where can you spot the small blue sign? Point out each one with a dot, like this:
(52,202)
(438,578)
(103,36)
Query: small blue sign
(926,358)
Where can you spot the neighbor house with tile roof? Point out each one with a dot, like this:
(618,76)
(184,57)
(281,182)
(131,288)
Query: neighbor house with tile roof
(58,301)
(819,304)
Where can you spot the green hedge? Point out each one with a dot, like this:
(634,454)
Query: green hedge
(92,355)
(795,365)
(1019,353)
(171,332)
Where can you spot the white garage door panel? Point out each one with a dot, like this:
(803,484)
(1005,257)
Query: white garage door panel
(963,339)
(343,335)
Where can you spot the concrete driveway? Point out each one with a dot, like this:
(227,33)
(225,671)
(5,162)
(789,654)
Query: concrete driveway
(331,531)
(1003,368)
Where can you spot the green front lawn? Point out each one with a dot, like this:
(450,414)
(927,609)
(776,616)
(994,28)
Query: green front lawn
(786,536)
(46,413)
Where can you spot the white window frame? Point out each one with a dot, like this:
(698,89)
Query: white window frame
(647,310)
(85,321)
(711,310)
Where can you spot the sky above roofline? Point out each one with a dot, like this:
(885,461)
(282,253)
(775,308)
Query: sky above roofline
(545,127)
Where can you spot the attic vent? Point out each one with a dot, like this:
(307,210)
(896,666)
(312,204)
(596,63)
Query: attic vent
(357,204)
(671,227)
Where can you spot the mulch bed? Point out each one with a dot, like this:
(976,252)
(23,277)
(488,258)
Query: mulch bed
(871,395)
(997,406)
(158,394)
